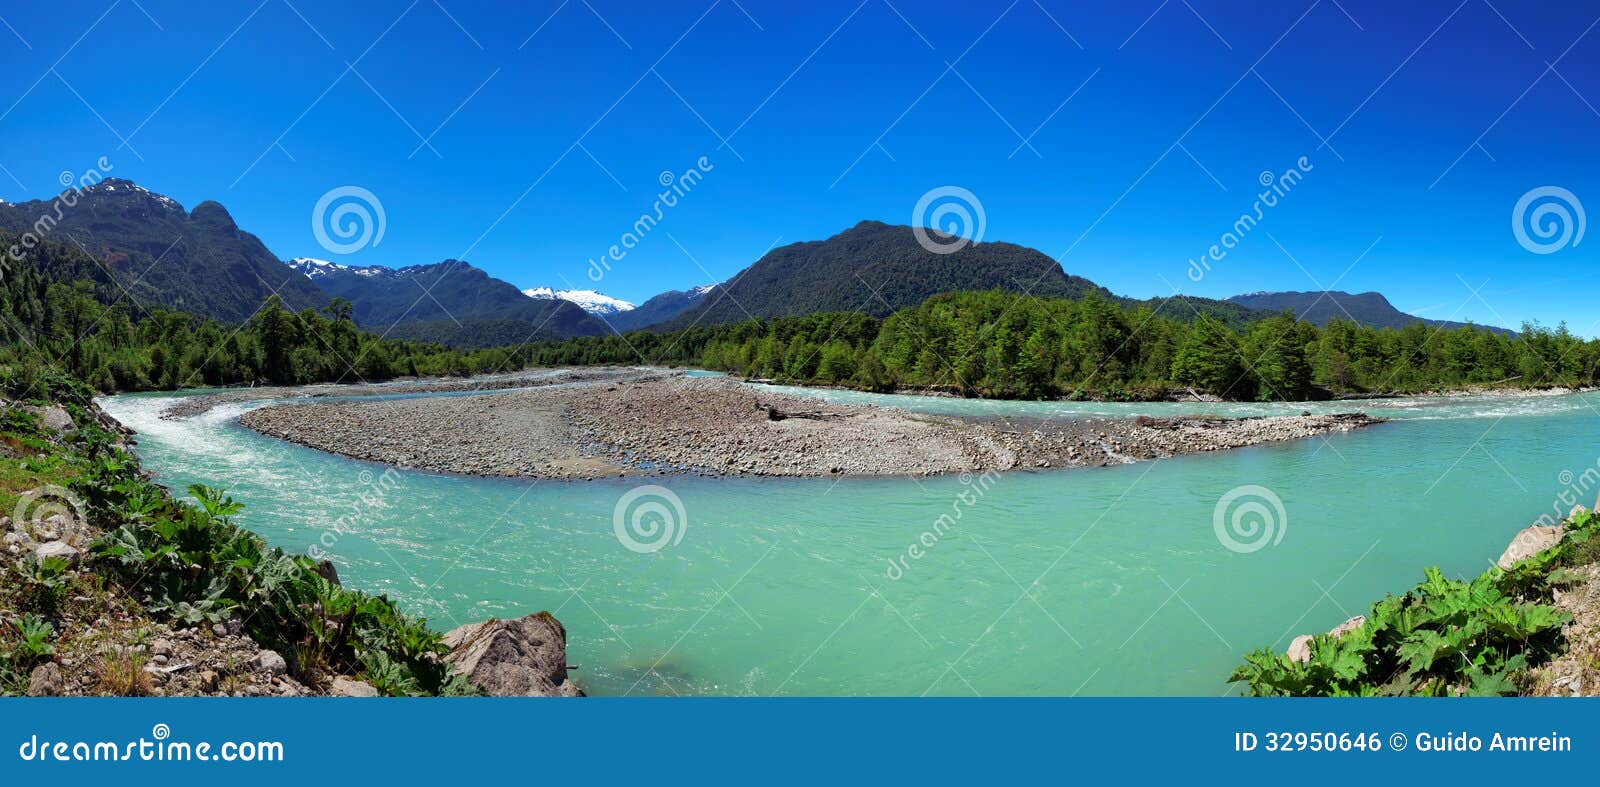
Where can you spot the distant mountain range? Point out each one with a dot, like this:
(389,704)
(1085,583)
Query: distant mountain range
(661,308)
(198,261)
(1367,308)
(474,309)
(450,301)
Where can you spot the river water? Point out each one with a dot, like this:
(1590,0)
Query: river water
(1108,581)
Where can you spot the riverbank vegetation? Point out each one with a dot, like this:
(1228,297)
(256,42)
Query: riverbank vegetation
(157,561)
(1445,637)
(63,306)
(1003,345)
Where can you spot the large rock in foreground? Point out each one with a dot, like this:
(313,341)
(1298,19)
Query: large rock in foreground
(526,657)
(1529,542)
(1300,648)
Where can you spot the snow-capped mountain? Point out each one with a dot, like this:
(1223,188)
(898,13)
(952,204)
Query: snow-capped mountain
(316,268)
(589,300)
(450,302)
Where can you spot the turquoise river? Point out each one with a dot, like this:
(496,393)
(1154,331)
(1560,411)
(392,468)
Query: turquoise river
(1108,581)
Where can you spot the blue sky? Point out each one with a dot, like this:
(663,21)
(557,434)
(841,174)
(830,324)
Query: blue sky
(1122,138)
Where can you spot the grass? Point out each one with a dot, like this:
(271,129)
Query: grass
(120,673)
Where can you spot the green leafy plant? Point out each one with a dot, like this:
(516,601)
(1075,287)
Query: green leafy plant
(195,566)
(35,643)
(33,646)
(45,581)
(1443,638)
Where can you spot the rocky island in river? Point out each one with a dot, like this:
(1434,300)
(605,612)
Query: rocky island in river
(644,421)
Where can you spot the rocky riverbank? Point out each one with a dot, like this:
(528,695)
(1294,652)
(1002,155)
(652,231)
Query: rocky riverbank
(95,602)
(645,423)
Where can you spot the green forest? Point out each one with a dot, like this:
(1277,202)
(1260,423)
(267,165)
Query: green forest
(61,307)
(1003,345)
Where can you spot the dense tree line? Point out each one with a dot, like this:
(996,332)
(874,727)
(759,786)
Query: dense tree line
(1004,345)
(61,307)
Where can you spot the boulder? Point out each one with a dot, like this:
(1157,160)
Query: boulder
(60,549)
(525,657)
(1300,647)
(1531,541)
(327,571)
(55,417)
(1348,626)
(271,662)
(346,687)
(46,681)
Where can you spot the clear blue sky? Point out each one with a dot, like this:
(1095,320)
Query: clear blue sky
(550,122)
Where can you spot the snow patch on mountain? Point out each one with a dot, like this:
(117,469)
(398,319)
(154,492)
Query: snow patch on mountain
(588,300)
(316,268)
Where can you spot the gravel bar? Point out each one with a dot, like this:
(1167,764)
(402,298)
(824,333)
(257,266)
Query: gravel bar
(643,422)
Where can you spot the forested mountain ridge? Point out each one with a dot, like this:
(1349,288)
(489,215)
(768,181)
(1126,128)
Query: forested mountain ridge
(876,269)
(59,308)
(157,255)
(1366,308)
(199,261)
(59,305)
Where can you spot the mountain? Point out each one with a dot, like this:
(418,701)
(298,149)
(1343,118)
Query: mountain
(659,309)
(589,300)
(1186,308)
(877,268)
(198,261)
(450,302)
(315,269)
(1367,308)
